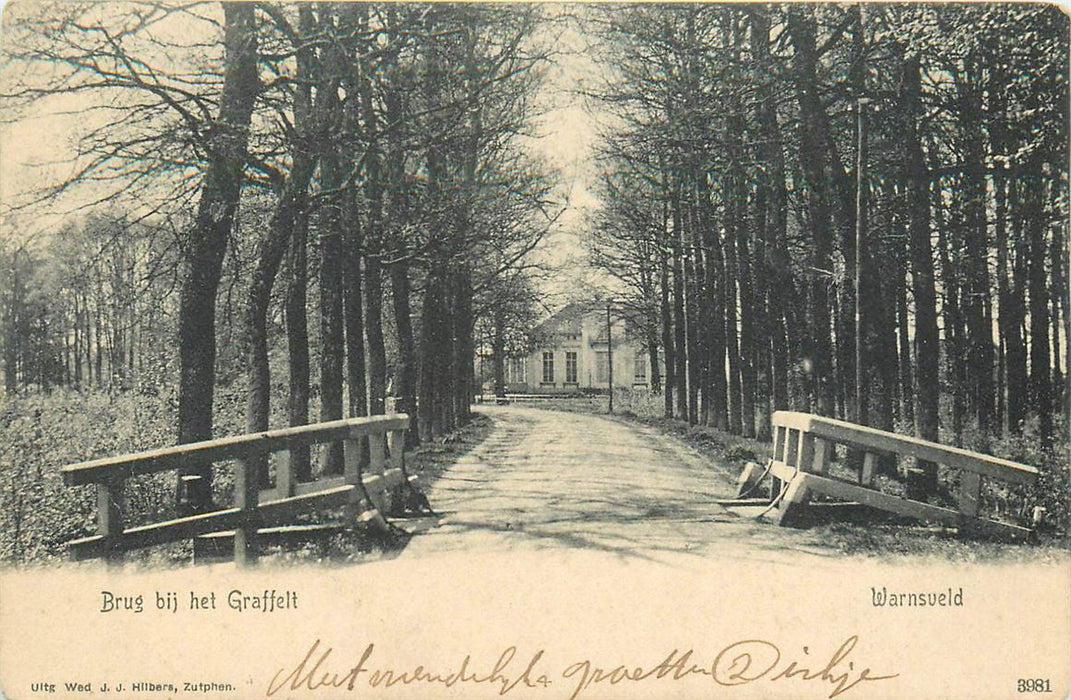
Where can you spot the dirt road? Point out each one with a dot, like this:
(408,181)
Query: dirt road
(551,482)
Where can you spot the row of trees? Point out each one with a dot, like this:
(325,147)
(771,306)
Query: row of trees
(359,164)
(764,160)
(88,309)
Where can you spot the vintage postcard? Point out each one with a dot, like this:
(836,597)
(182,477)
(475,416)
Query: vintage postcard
(574,351)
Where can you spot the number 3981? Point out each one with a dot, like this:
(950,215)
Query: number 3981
(1034,685)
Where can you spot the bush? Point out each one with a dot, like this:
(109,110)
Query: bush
(40,433)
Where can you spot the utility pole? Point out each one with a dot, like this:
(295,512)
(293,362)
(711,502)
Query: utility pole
(686,351)
(861,395)
(610,357)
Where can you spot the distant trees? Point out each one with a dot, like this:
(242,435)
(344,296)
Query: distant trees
(729,187)
(87,309)
(363,156)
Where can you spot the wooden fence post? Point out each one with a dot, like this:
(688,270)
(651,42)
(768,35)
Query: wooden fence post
(866,476)
(110,516)
(351,455)
(376,463)
(780,438)
(805,455)
(395,445)
(970,492)
(246,495)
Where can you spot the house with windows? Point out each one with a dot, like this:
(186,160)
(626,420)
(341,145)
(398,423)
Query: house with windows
(571,354)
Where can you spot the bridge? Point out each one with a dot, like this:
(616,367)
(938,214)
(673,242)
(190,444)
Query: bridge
(550,482)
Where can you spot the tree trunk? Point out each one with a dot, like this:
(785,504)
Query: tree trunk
(977,321)
(332,346)
(1013,315)
(732,343)
(377,354)
(1057,292)
(220,193)
(713,321)
(907,388)
(464,353)
(373,272)
(290,207)
(430,411)
(917,203)
(498,351)
(665,315)
(771,191)
(297,340)
(1040,367)
(814,162)
(352,298)
(272,250)
(679,338)
(406,363)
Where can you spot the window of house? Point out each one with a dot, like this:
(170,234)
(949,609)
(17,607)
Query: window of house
(570,367)
(639,374)
(548,367)
(517,370)
(602,366)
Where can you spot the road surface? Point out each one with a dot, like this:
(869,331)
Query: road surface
(550,482)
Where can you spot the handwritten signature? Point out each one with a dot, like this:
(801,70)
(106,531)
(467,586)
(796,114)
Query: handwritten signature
(739,663)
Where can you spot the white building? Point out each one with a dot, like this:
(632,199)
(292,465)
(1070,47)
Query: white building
(571,355)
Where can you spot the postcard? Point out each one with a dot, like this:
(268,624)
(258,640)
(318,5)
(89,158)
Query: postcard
(575,351)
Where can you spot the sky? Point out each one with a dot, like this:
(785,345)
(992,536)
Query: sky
(567,133)
(37,149)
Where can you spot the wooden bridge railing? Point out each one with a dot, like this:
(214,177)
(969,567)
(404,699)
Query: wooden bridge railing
(804,446)
(362,491)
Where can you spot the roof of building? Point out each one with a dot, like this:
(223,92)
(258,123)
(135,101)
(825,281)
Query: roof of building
(567,321)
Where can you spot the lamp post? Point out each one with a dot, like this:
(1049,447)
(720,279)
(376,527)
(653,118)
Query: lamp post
(609,357)
(860,237)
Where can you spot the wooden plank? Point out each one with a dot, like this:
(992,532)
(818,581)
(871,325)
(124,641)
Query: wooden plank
(782,471)
(780,441)
(823,454)
(219,545)
(866,475)
(805,460)
(153,461)
(286,509)
(158,533)
(279,531)
(970,493)
(748,480)
(795,498)
(792,447)
(306,487)
(741,502)
(376,487)
(321,484)
(284,475)
(374,519)
(381,482)
(377,453)
(881,441)
(395,448)
(351,457)
(354,455)
(903,506)
(268,513)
